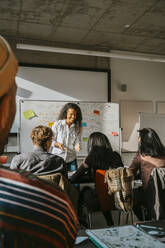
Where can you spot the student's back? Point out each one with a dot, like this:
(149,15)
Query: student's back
(39,162)
(103,158)
(100,156)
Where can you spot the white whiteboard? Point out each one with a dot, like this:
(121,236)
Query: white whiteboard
(103,117)
(154,121)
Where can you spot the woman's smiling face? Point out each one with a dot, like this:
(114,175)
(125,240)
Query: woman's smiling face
(71,116)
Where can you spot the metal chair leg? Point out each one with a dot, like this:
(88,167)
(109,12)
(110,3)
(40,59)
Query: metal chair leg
(131,216)
(127,217)
(129,213)
(119,217)
(143,213)
(89,220)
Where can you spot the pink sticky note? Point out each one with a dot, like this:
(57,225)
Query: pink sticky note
(114,133)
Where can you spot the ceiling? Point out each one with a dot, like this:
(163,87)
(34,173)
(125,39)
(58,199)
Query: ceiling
(102,25)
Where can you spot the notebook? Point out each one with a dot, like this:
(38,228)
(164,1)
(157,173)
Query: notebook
(122,236)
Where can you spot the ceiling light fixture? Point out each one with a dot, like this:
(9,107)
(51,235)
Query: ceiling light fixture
(112,54)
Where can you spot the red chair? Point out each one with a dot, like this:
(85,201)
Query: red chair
(106,201)
(3,159)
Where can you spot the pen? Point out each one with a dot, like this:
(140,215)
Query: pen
(150,227)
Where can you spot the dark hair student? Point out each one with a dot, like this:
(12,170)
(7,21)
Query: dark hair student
(100,156)
(150,143)
(98,139)
(150,155)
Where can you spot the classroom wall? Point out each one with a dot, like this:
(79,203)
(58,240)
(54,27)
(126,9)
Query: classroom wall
(144,80)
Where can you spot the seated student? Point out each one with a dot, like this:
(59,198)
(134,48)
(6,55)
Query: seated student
(150,155)
(100,156)
(43,164)
(40,161)
(33,213)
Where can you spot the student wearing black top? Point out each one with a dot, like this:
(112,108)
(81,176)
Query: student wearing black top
(100,156)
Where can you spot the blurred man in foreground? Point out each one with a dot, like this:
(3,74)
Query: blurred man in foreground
(33,213)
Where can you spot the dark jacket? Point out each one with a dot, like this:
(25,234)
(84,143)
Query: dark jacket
(39,162)
(98,158)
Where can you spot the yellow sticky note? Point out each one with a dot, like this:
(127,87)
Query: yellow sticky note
(29,114)
(50,124)
(85,139)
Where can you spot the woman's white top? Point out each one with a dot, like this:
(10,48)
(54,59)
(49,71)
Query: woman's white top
(67,136)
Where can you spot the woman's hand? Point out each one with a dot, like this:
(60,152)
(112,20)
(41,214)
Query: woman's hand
(59,145)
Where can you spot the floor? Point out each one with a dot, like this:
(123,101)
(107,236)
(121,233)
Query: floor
(99,222)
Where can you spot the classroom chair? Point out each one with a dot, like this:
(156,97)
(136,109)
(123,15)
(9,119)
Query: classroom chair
(120,184)
(106,201)
(154,196)
(59,179)
(3,159)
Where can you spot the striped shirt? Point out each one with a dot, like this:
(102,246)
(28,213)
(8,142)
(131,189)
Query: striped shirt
(34,213)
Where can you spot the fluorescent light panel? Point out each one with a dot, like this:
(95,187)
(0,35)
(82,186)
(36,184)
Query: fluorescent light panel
(112,54)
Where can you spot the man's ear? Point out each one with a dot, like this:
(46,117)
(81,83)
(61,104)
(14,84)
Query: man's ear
(5,112)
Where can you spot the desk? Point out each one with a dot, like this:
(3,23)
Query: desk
(121,236)
(85,244)
(88,244)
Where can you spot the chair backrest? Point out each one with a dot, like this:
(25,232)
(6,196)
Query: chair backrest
(155,194)
(65,185)
(120,183)
(106,201)
(3,159)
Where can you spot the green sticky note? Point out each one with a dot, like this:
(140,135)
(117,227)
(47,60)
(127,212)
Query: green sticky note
(29,114)
(85,139)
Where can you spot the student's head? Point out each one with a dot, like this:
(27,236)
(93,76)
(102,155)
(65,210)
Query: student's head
(98,139)
(149,143)
(42,136)
(71,112)
(8,70)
